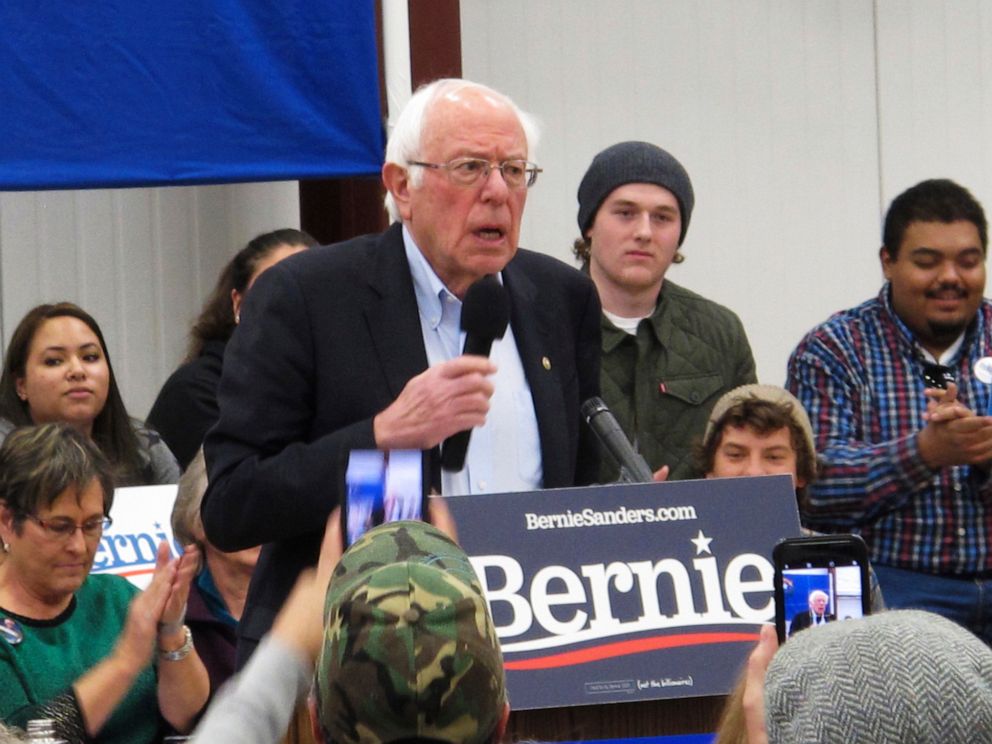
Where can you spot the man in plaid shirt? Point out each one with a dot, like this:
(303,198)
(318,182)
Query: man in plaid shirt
(899,400)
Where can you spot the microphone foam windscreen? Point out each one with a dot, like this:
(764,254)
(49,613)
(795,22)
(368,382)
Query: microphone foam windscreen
(486,309)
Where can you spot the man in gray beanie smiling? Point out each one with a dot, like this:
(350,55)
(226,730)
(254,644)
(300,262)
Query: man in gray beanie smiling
(668,354)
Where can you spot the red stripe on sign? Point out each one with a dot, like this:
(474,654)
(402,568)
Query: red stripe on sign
(626,648)
(137,572)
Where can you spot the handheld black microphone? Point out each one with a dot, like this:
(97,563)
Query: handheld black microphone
(633,468)
(485,315)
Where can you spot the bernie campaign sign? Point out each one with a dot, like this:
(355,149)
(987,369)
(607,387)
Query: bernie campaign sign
(627,592)
(141,521)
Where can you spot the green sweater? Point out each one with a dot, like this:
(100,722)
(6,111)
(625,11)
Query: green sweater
(55,653)
(662,384)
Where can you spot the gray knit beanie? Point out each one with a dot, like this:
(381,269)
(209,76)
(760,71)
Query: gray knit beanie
(633,162)
(899,676)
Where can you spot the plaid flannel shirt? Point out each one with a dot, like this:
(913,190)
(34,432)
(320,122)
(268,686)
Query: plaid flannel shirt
(859,375)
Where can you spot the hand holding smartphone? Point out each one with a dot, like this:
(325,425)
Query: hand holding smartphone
(819,580)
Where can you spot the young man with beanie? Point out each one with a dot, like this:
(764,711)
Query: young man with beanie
(668,353)
(903,463)
(764,430)
(758,430)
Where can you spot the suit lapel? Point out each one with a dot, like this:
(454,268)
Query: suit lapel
(535,344)
(392,315)
(394,324)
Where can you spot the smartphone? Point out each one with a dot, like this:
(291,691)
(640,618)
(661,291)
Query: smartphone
(819,580)
(382,486)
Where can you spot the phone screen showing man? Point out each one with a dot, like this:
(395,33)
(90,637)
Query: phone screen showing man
(819,594)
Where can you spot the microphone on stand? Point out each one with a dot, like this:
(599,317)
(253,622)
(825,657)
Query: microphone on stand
(633,467)
(485,315)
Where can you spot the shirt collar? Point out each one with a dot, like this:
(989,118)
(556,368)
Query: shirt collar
(949,355)
(622,323)
(427,285)
(613,336)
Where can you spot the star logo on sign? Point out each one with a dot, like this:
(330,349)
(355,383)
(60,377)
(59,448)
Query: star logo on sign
(702,543)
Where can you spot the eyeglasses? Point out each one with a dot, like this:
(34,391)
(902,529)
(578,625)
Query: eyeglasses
(518,174)
(63,529)
(937,375)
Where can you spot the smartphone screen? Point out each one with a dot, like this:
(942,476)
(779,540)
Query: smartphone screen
(819,580)
(381,487)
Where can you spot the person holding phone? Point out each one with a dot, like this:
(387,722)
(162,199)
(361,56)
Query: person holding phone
(376,598)
(895,677)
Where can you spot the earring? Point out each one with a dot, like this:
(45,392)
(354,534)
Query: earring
(6,546)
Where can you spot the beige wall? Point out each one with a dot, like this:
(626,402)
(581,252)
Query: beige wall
(140,261)
(798,121)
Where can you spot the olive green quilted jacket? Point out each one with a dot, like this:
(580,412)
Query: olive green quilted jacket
(662,383)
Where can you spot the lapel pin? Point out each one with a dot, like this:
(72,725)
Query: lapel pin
(546,363)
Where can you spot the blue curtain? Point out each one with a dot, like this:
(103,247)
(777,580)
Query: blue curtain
(102,93)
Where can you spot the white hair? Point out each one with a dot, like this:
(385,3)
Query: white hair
(405,140)
(818,593)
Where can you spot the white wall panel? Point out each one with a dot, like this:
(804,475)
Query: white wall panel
(771,107)
(935,94)
(141,261)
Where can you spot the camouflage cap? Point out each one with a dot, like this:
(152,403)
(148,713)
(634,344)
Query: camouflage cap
(409,650)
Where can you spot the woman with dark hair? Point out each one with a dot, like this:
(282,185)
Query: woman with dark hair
(79,648)
(57,369)
(186,406)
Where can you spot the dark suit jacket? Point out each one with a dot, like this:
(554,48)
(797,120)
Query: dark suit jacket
(328,339)
(803,620)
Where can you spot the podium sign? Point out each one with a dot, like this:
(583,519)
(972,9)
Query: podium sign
(627,592)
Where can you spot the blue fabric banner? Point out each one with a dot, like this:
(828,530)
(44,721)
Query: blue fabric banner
(142,92)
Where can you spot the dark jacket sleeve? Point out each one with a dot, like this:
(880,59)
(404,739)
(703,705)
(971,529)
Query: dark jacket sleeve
(273,472)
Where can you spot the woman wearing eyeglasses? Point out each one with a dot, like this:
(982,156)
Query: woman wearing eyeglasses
(107,662)
(57,369)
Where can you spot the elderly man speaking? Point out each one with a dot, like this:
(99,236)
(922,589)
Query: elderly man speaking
(357,346)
